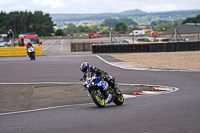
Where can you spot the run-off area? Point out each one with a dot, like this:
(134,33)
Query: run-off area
(30,96)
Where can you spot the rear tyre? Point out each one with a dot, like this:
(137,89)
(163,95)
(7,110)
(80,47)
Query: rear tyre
(98,98)
(119,100)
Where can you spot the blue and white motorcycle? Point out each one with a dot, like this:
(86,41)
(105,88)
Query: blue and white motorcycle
(31,51)
(101,92)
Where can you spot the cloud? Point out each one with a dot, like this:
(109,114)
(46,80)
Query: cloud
(52,4)
(160,7)
(97,6)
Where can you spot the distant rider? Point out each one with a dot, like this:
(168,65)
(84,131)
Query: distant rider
(28,46)
(86,68)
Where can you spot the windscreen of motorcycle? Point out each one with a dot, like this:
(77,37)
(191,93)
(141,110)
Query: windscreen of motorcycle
(90,75)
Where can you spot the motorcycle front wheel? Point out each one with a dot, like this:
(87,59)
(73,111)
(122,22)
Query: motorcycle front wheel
(33,56)
(98,98)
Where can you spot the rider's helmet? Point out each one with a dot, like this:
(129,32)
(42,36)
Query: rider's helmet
(85,67)
(29,44)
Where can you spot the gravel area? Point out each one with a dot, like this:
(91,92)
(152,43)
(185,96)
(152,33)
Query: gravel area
(164,60)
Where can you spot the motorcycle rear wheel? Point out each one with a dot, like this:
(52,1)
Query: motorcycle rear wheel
(119,100)
(98,98)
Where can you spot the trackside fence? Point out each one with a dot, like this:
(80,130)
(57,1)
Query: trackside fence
(83,46)
(146,47)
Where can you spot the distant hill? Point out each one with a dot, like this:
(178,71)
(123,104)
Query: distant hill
(182,14)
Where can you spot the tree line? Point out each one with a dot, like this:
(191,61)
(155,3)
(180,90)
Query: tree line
(192,20)
(164,25)
(117,25)
(113,21)
(120,28)
(42,24)
(26,22)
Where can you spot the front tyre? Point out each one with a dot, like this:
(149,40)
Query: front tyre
(98,98)
(119,100)
(32,56)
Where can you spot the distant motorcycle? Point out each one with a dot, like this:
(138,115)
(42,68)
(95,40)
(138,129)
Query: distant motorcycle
(101,92)
(31,53)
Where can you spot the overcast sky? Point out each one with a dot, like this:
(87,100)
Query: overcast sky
(97,6)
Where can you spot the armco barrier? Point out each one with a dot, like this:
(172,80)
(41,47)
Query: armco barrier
(18,51)
(146,47)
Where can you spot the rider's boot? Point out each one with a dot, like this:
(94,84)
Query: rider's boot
(117,91)
(113,86)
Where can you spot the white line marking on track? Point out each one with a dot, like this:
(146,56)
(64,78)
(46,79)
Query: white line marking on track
(49,46)
(118,65)
(26,111)
(190,70)
(61,45)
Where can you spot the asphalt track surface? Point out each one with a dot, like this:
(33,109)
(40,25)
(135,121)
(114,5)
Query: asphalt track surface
(176,112)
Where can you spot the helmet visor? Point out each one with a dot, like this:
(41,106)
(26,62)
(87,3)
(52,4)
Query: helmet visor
(84,69)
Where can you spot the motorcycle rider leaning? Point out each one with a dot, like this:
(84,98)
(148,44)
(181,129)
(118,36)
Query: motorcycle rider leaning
(85,68)
(28,46)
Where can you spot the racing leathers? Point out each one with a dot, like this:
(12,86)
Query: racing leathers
(28,46)
(102,75)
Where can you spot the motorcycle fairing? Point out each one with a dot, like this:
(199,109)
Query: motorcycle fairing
(103,85)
